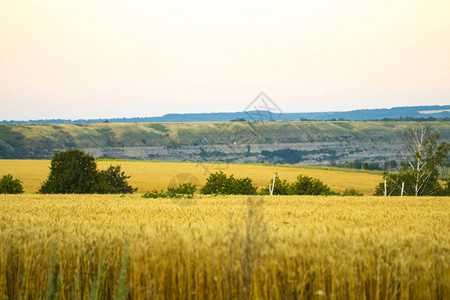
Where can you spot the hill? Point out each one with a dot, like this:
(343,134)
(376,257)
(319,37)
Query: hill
(309,142)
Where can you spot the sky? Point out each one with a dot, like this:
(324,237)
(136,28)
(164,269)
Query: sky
(75,59)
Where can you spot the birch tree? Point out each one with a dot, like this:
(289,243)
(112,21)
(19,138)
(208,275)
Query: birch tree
(422,157)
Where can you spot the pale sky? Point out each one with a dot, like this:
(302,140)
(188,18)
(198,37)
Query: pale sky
(106,58)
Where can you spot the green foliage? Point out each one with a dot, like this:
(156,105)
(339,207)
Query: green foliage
(155,194)
(292,156)
(243,186)
(113,181)
(357,164)
(71,172)
(219,183)
(282,187)
(352,192)
(420,172)
(306,185)
(9,185)
(406,175)
(75,172)
(184,190)
(394,183)
(447,188)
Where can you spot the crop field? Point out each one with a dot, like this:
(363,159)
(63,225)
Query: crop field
(224,247)
(147,176)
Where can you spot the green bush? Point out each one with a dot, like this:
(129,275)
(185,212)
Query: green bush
(184,190)
(282,187)
(9,185)
(306,185)
(113,181)
(155,194)
(219,183)
(75,172)
(352,192)
(243,186)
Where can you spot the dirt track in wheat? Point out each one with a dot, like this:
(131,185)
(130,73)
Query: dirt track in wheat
(75,246)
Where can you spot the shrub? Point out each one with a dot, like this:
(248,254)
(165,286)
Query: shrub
(155,194)
(184,190)
(242,186)
(282,187)
(352,192)
(306,185)
(219,183)
(216,183)
(9,185)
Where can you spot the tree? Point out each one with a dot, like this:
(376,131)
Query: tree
(425,156)
(113,181)
(9,185)
(390,164)
(75,172)
(357,164)
(306,185)
(71,172)
(419,174)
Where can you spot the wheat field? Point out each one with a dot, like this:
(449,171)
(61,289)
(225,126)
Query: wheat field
(224,247)
(147,176)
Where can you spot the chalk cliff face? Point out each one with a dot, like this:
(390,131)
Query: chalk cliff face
(314,143)
(309,153)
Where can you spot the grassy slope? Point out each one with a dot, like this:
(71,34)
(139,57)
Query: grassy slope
(149,175)
(21,140)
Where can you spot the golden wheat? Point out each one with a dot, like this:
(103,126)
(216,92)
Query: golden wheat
(234,247)
(147,176)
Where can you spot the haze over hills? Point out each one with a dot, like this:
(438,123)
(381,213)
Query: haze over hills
(433,111)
